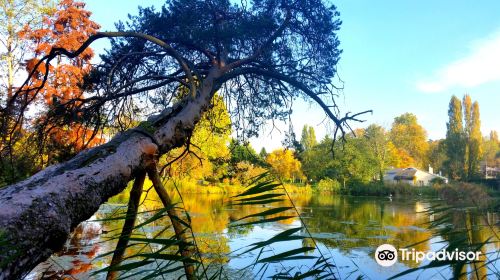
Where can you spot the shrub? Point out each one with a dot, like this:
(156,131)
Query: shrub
(328,185)
(465,194)
(437,181)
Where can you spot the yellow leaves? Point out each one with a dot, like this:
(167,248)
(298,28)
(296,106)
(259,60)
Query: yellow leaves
(208,142)
(246,171)
(410,137)
(285,165)
(403,159)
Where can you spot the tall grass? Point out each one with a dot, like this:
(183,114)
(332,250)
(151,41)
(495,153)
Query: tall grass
(160,254)
(462,218)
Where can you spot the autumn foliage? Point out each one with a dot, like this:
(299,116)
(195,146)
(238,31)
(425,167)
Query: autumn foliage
(67,28)
(285,165)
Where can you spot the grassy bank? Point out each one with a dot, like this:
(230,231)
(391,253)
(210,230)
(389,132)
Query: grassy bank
(190,186)
(324,186)
(379,189)
(372,189)
(456,192)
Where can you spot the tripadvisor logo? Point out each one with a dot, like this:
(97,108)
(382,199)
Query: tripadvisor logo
(387,255)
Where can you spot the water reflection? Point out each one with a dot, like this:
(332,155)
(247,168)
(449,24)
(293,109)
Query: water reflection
(348,228)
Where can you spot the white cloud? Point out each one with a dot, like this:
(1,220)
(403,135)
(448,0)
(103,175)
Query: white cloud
(481,66)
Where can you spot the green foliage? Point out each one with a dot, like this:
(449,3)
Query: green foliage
(308,138)
(263,154)
(455,143)
(317,163)
(351,161)
(243,152)
(491,150)
(464,145)
(20,162)
(381,149)
(328,185)
(437,155)
(474,143)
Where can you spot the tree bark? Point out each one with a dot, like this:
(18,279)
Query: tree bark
(180,231)
(38,214)
(128,226)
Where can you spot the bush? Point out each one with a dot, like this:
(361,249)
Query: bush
(465,194)
(297,188)
(328,185)
(437,181)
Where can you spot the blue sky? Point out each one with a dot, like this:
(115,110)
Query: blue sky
(399,56)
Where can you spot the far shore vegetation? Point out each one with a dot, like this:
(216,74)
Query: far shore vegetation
(354,165)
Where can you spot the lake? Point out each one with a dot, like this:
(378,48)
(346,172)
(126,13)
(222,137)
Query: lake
(347,228)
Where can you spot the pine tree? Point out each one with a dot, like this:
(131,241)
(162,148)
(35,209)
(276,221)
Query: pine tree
(263,153)
(455,149)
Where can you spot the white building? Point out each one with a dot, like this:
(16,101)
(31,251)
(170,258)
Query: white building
(412,176)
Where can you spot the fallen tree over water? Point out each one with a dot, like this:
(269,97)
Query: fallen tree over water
(258,58)
(38,214)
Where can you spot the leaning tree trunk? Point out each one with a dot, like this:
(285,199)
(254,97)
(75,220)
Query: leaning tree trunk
(38,214)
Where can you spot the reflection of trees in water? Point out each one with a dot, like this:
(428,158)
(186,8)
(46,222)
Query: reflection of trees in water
(362,222)
(472,230)
(341,222)
(83,246)
(359,222)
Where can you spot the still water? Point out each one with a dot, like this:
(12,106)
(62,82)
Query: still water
(348,229)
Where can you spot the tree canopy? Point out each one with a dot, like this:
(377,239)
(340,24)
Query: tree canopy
(407,134)
(308,138)
(464,147)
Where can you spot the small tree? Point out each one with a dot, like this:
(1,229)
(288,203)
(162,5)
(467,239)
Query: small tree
(285,165)
(69,27)
(308,137)
(408,135)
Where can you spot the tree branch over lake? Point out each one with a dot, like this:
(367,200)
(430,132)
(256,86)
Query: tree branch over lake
(167,66)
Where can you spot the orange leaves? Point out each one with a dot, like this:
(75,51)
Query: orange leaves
(403,159)
(75,137)
(68,28)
